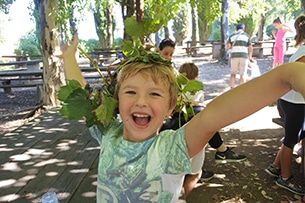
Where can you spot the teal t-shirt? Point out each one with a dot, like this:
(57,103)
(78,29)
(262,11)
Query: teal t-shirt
(149,171)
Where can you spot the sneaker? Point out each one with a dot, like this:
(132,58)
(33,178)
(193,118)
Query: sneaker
(273,171)
(206,175)
(229,156)
(291,185)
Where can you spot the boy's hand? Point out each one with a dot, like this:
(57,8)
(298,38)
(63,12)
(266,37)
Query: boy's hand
(68,49)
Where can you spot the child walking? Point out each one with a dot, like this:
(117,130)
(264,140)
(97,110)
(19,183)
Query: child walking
(138,164)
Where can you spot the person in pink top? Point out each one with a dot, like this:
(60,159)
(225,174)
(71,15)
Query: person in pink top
(280,41)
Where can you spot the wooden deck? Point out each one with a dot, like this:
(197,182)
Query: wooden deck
(50,153)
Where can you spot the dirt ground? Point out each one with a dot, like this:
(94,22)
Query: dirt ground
(256,137)
(246,181)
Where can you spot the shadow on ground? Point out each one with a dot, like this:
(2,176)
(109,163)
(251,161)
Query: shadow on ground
(246,181)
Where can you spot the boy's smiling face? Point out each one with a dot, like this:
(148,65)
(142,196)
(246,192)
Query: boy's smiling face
(143,107)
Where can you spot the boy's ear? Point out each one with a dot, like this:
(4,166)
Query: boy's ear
(170,111)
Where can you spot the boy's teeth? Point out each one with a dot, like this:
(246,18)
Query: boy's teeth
(140,115)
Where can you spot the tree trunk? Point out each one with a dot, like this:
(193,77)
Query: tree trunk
(110,26)
(195,34)
(128,8)
(225,29)
(261,25)
(53,72)
(303,5)
(139,10)
(166,32)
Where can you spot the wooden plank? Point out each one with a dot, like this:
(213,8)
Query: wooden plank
(59,156)
(31,62)
(37,130)
(279,121)
(68,167)
(87,191)
(21,73)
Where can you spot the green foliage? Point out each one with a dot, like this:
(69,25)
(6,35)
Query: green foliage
(211,9)
(28,45)
(138,30)
(89,45)
(118,42)
(180,24)
(293,8)
(269,29)
(5,5)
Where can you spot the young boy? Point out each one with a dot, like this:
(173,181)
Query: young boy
(139,165)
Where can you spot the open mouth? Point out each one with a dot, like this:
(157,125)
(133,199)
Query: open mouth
(141,119)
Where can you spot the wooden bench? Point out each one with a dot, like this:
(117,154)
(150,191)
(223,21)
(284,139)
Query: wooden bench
(102,55)
(29,65)
(34,78)
(22,79)
(260,46)
(212,45)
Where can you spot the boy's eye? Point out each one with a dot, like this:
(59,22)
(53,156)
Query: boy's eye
(130,92)
(155,94)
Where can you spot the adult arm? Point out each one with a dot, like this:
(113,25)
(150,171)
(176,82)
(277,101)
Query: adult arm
(243,101)
(250,52)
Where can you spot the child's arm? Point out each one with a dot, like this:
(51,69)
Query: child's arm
(71,67)
(242,101)
(287,28)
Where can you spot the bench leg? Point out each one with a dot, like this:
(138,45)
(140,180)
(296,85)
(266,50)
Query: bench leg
(7,90)
(39,94)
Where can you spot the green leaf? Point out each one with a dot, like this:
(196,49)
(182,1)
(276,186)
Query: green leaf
(193,86)
(65,91)
(105,112)
(76,106)
(138,30)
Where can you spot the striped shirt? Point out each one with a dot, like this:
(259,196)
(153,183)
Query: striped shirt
(240,42)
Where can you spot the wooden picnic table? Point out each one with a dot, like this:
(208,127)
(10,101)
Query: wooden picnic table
(193,46)
(102,55)
(260,46)
(34,78)
(49,153)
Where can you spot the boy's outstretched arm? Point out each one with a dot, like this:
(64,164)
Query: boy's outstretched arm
(71,67)
(242,101)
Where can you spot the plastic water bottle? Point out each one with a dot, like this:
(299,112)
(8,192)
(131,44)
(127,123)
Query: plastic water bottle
(49,197)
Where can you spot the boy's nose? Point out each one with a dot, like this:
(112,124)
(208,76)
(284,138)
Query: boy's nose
(141,101)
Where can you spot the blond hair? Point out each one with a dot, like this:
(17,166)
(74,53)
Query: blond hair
(160,74)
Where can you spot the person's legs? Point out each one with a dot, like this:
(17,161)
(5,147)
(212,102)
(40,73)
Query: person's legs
(224,153)
(234,68)
(232,80)
(294,121)
(275,57)
(285,161)
(243,65)
(190,182)
(281,54)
